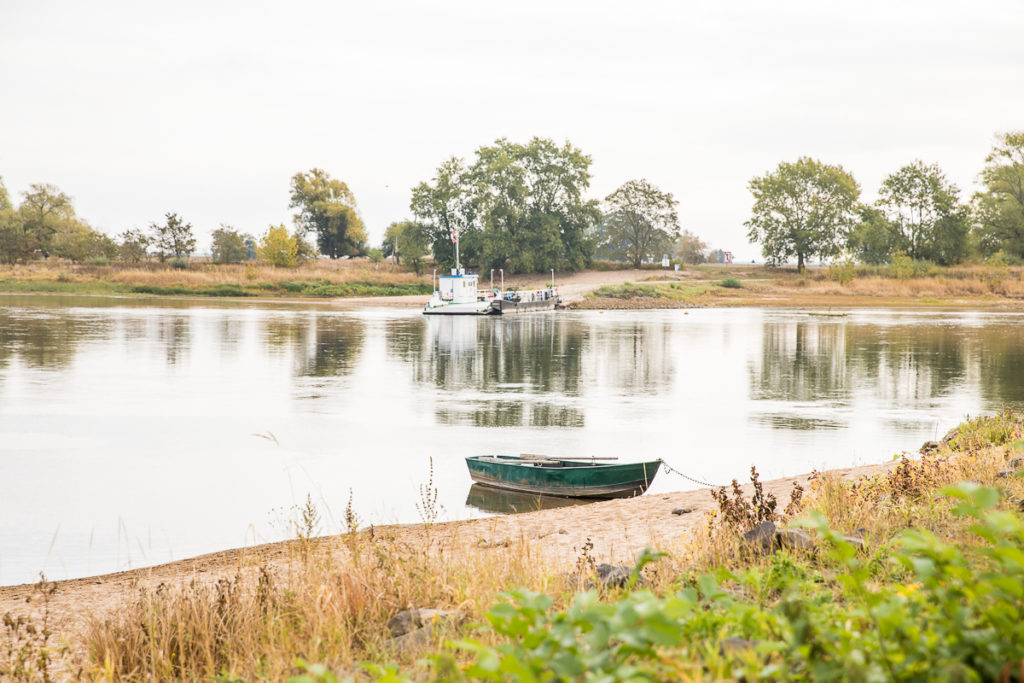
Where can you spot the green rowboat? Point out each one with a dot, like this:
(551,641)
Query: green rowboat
(562,477)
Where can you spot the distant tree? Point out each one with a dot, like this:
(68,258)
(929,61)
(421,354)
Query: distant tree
(173,238)
(924,208)
(518,207)
(802,209)
(999,207)
(228,245)
(133,246)
(690,248)
(327,208)
(408,240)
(716,256)
(45,210)
(643,219)
(875,239)
(78,242)
(279,248)
(16,243)
(445,207)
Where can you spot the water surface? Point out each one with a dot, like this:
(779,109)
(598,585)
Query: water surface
(136,432)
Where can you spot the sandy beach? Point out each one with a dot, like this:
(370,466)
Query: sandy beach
(618,530)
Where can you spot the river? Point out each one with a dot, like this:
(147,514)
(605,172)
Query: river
(134,432)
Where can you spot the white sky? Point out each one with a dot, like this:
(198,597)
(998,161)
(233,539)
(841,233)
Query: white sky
(208,108)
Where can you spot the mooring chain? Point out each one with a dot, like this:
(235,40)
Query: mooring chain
(672,470)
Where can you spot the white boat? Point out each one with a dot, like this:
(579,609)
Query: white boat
(457,294)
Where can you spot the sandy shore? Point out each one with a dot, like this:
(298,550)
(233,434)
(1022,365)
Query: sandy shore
(618,529)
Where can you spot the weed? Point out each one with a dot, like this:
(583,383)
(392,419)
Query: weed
(428,507)
(27,652)
(731,283)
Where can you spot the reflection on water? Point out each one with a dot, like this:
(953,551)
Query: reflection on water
(132,432)
(489,499)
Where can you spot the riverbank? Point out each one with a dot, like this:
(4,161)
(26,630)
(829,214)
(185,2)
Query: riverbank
(360,283)
(330,599)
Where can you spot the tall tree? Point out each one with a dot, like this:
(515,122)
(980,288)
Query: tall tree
(16,243)
(642,218)
(518,207)
(804,208)
(874,239)
(999,207)
(529,205)
(445,208)
(134,244)
(408,240)
(925,210)
(173,238)
(327,208)
(228,245)
(45,210)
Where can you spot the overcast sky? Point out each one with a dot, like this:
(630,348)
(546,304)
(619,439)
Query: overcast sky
(208,108)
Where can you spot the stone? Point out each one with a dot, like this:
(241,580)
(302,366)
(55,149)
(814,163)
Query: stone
(761,536)
(1017,463)
(682,511)
(412,619)
(734,646)
(613,575)
(1004,474)
(795,539)
(929,447)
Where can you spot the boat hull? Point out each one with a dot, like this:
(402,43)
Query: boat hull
(472,308)
(571,480)
(505,307)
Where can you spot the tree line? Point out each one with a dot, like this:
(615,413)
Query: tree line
(524,207)
(45,224)
(809,209)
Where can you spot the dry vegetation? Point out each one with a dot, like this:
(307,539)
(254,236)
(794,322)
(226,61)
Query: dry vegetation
(973,286)
(330,601)
(314,278)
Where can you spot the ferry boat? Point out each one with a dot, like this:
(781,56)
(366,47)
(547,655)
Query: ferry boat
(460,294)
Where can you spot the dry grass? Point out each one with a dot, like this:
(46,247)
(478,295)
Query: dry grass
(202,274)
(330,599)
(329,603)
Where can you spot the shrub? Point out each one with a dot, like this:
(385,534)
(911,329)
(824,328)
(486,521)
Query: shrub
(179,263)
(97,261)
(731,283)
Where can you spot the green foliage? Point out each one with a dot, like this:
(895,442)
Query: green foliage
(179,263)
(408,240)
(942,612)
(352,288)
(45,211)
(802,209)
(901,266)
(731,283)
(518,207)
(842,271)
(133,247)
(279,248)
(174,238)
(925,213)
(999,207)
(229,245)
(78,242)
(641,220)
(875,239)
(327,208)
(177,290)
